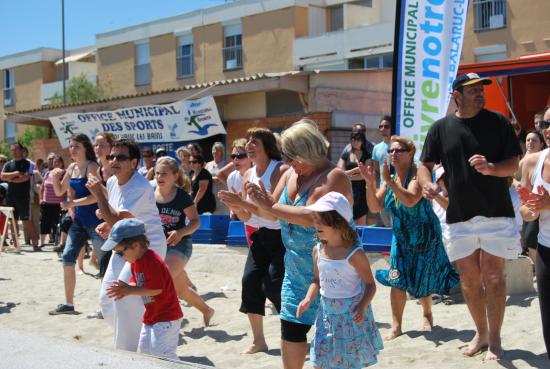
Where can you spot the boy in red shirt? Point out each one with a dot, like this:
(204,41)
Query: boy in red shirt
(152,281)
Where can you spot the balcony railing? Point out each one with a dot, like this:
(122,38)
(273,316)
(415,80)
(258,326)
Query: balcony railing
(9,96)
(143,74)
(232,57)
(489,14)
(185,66)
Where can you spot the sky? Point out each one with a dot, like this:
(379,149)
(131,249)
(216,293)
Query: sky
(30,24)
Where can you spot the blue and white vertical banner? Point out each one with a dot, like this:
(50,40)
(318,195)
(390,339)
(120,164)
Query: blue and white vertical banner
(185,120)
(428,44)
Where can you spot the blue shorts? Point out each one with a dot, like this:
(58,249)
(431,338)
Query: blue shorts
(76,238)
(183,249)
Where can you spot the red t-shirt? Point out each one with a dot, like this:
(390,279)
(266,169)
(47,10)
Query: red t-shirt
(151,272)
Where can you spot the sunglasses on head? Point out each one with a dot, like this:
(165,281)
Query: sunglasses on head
(238,156)
(394,151)
(119,157)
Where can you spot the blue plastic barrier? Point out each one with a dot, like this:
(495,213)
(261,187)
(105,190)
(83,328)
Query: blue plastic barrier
(375,239)
(236,235)
(213,229)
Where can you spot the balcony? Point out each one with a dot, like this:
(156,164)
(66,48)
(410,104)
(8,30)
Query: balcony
(489,15)
(49,90)
(9,97)
(232,57)
(330,51)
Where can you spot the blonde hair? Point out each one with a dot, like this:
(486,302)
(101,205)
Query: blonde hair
(183,150)
(239,143)
(303,141)
(183,179)
(405,142)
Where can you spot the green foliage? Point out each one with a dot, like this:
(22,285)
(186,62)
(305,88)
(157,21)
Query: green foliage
(31,134)
(79,89)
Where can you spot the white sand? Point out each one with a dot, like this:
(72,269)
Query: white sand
(31,284)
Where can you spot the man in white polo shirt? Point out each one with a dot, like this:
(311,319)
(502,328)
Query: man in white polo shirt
(130,196)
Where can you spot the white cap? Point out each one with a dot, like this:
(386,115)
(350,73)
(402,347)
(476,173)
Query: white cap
(333,201)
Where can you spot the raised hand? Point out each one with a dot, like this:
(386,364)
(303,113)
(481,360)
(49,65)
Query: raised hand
(367,172)
(94,185)
(103,230)
(260,195)
(539,201)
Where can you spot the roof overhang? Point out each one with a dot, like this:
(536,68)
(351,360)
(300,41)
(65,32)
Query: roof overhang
(509,67)
(293,81)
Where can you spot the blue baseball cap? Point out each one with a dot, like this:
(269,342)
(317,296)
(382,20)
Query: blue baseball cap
(125,228)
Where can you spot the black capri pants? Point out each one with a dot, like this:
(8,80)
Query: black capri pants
(542,270)
(263,272)
(49,216)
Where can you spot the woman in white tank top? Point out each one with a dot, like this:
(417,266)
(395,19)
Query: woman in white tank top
(264,269)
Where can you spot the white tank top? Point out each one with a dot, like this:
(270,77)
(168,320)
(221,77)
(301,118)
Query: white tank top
(544,217)
(256,221)
(338,278)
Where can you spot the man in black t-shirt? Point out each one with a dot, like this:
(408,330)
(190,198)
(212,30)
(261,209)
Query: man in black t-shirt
(17,173)
(478,149)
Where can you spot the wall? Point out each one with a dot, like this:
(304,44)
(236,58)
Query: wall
(358,15)
(527,20)
(365,92)
(244,106)
(28,81)
(115,69)
(162,51)
(41,149)
(237,128)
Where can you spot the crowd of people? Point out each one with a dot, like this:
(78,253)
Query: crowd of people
(451,212)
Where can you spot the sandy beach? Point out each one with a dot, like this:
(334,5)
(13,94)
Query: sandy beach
(31,284)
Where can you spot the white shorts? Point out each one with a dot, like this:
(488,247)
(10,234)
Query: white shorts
(496,236)
(160,339)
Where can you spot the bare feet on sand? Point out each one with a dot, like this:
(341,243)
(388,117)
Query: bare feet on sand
(428,323)
(206,317)
(394,333)
(495,352)
(254,348)
(476,345)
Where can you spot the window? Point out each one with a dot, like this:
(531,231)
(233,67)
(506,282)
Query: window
(10,132)
(489,14)
(371,62)
(8,87)
(232,47)
(185,56)
(142,67)
(336,18)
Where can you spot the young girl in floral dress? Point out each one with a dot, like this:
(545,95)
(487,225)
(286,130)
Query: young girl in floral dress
(346,335)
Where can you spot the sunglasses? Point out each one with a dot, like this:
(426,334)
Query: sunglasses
(396,151)
(119,157)
(146,155)
(193,161)
(121,252)
(384,126)
(545,123)
(238,156)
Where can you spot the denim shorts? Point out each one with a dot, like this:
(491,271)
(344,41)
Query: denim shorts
(78,235)
(183,249)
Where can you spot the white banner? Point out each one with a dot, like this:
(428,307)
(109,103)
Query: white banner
(428,54)
(180,121)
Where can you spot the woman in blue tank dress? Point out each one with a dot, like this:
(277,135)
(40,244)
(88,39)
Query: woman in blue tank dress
(85,220)
(418,262)
(310,177)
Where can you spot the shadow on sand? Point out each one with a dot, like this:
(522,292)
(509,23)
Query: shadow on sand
(202,360)
(217,335)
(6,307)
(438,335)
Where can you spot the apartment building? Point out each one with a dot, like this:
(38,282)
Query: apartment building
(31,78)
(242,52)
